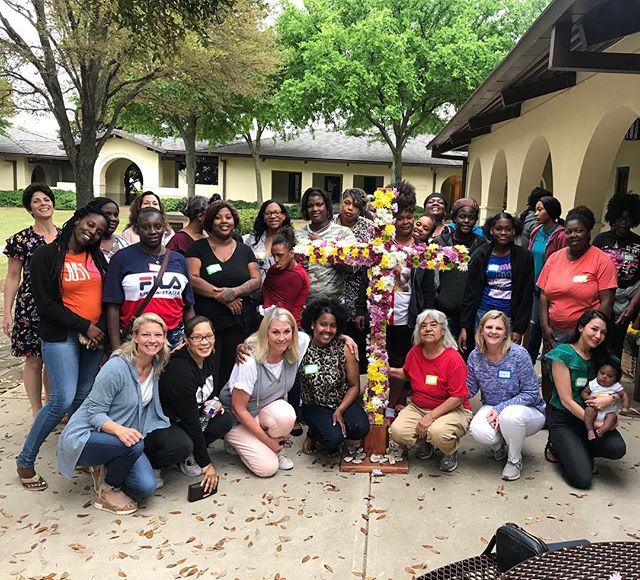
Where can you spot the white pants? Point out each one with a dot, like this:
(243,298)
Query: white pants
(515,423)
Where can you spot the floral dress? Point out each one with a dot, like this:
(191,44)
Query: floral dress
(25,338)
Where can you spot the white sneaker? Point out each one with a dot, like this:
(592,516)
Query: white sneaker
(159,481)
(511,471)
(284,462)
(499,452)
(190,468)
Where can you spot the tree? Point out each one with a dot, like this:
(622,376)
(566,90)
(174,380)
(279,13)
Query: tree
(193,99)
(387,68)
(6,103)
(85,61)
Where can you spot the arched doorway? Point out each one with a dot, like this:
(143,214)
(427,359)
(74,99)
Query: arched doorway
(497,197)
(451,188)
(537,170)
(123,179)
(38,175)
(609,155)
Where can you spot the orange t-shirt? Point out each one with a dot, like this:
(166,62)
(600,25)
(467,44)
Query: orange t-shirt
(82,286)
(572,287)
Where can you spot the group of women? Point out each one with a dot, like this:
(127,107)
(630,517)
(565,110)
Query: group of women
(86,290)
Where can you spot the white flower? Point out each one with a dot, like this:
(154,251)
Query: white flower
(463,267)
(376,402)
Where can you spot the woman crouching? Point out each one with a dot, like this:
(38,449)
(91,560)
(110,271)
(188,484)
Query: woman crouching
(107,432)
(439,412)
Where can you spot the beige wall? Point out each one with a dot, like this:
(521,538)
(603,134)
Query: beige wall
(24,170)
(241,183)
(581,128)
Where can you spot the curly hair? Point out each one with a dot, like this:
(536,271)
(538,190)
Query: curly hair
(93,249)
(259,225)
(582,214)
(286,238)
(403,188)
(621,202)
(321,306)
(136,206)
(406,202)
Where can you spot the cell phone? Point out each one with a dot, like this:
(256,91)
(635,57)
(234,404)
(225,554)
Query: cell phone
(196,492)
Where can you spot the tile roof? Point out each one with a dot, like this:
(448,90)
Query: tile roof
(18,141)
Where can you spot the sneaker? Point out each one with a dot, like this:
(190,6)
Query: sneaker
(190,468)
(284,462)
(229,449)
(499,453)
(425,450)
(449,463)
(511,471)
(159,481)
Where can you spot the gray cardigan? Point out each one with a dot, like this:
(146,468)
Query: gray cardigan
(115,395)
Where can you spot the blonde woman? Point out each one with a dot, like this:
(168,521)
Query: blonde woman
(257,394)
(512,407)
(107,432)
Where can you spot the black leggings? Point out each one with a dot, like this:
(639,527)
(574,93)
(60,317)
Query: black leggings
(574,452)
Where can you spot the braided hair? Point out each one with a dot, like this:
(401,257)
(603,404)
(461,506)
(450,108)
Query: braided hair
(62,242)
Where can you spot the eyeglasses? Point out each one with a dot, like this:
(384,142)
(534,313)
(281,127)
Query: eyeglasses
(208,338)
(272,214)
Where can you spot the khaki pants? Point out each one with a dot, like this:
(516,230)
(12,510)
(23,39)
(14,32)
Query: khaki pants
(445,432)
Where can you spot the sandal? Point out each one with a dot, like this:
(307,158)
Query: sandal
(309,446)
(296,431)
(548,454)
(33,483)
(630,412)
(125,509)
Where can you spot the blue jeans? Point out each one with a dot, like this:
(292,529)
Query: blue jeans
(71,368)
(321,428)
(127,467)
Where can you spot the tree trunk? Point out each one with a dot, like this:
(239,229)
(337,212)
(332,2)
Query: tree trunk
(83,173)
(396,165)
(189,137)
(254,147)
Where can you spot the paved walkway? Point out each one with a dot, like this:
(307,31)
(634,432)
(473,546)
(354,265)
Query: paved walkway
(312,522)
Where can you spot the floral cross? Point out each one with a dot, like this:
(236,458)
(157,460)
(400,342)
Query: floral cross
(381,256)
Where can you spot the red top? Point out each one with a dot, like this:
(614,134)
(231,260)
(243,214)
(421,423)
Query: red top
(433,381)
(286,289)
(180,242)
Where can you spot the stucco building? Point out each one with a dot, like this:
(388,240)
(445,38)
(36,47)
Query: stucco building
(324,159)
(561,110)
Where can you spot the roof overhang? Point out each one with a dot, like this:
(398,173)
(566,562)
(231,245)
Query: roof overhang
(570,36)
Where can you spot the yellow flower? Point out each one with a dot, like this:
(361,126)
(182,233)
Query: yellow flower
(378,419)
(431,265)
(323,260)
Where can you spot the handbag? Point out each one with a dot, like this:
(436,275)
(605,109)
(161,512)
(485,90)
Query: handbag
(163,268)
(514,545)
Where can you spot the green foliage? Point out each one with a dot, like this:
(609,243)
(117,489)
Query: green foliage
(387,68)
(247,218)
(65,199)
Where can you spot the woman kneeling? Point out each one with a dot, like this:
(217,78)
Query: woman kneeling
(439,412)
(257,394)
(107,432)
(512,407)
(330,381)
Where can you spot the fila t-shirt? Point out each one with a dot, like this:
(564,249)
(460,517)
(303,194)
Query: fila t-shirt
(132,273)
(433,381)
(82,286)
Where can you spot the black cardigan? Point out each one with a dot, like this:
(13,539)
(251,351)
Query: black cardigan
(56,320)
(521,287)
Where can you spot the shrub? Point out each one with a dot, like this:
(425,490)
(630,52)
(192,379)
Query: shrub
(247,217)
(65,199)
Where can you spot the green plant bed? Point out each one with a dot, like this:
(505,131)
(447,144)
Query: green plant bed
(65,199)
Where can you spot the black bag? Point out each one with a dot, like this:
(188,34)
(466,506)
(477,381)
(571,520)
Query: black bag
(514,545)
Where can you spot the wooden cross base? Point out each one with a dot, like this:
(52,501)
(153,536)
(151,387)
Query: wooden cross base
(376,442)
(401,467)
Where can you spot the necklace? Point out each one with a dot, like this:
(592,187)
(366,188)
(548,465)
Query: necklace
(157,259)
(321,230)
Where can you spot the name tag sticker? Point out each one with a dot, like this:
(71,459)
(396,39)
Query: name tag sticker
(154,267)
(581,279)
(504,374)
(431,380)
(493,267)
(213,268)
(311,369)
(581,382)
